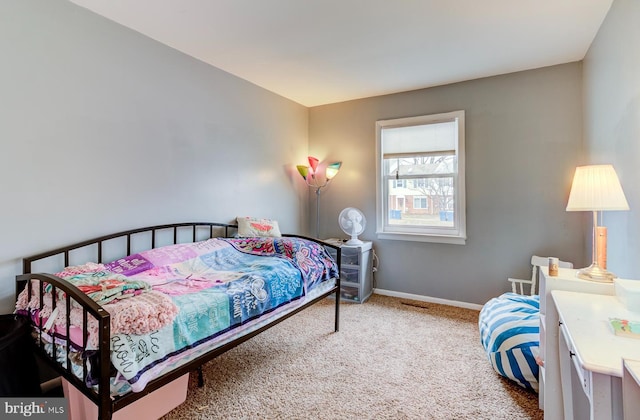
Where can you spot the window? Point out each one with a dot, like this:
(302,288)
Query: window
(420,163)
(419,202)
(419,183)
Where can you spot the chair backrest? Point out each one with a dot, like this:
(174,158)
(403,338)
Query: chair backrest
(517,285)
(537,262)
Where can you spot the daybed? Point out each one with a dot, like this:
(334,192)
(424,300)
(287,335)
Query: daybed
(172,298)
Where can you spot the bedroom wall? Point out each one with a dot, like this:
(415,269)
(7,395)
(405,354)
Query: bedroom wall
(103,129)
(523,141)
(612,126)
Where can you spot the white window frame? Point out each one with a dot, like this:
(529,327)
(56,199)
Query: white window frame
(450,235)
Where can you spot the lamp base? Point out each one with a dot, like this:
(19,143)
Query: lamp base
(595,273)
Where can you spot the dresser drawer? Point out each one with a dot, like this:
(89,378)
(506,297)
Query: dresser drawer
(584,376)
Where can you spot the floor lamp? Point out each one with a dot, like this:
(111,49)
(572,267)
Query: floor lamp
(317,181)
(596,188)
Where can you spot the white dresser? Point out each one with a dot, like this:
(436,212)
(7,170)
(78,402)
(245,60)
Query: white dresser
(631,388)
(591,355)
(551,398)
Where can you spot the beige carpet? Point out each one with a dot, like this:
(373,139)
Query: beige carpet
(392,359)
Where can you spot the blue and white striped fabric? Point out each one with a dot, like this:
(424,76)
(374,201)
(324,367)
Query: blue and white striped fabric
(510,333)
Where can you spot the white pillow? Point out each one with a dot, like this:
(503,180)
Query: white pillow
(252,226)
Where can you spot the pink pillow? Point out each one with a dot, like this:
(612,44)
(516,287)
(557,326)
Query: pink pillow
(252,226)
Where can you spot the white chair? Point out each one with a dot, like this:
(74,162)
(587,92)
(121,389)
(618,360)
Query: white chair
(517,285)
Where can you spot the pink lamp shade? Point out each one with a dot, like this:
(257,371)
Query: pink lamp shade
(313,163)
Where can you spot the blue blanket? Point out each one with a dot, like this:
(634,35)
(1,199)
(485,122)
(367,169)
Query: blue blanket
(219,285)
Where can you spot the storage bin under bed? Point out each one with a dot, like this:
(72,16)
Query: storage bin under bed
(152,406)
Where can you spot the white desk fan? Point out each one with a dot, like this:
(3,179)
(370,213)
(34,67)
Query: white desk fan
(352,222)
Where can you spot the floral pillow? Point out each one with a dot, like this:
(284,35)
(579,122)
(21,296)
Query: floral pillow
(252,226)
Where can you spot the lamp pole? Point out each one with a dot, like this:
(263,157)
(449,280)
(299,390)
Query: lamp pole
(318,213)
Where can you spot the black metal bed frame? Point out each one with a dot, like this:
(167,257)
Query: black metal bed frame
(102,398)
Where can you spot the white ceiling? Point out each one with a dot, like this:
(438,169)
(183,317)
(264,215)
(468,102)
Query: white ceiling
(316,52)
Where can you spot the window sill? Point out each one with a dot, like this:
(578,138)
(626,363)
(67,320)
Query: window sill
(455,240)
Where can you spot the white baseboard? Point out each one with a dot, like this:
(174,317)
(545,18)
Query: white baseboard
(428,299)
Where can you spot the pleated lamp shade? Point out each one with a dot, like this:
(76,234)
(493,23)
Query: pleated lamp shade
(596,188)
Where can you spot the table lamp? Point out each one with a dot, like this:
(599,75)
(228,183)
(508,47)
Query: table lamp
(596,188)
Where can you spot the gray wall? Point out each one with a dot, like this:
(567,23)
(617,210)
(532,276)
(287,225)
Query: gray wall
(612,125)
(523,141)
(103,129)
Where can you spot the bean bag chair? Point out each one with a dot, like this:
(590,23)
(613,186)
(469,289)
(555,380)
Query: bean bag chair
(510,334)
